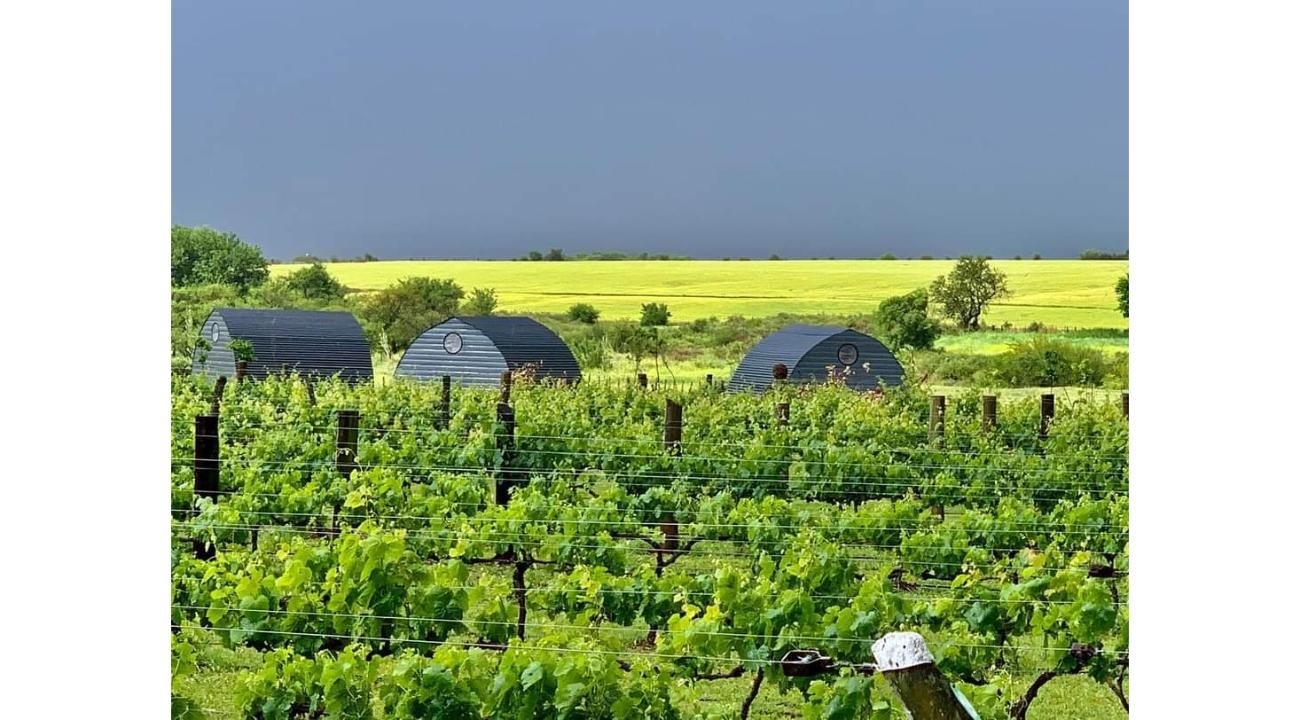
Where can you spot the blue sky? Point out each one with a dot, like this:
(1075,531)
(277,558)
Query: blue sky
(723,128)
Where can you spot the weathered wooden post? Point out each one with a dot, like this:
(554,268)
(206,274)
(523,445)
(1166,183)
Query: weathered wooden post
(444,412)
(1124,403)
(673,426)
(780,372)
(507,379)
(642,380)
(708,381)
(506,446)
(782,414)
(908,667)
(207,470)
(241,370)
(990,405)
(938,409)
(345,441)
(217,393)
(1046,413)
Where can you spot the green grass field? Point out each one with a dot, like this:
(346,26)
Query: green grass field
(1058,293)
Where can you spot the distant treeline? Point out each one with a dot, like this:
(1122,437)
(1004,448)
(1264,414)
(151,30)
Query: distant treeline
(1102,255)
(558,255)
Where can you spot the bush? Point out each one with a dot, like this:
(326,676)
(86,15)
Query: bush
(313,282)
(889,256)
(396,315)
(1121,294)
(584,313)
(904,321)
(591,353)
(1044,362)
(482,301)
(204,256)
(654,314)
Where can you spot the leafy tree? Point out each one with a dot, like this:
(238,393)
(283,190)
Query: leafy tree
(774,256)
(203,256)
(904,321)
(314,282)
(964,293)
(654,314)
(396,315)
(639,342)
(534,255)
(1121,294)
(555,254)
(888,256)
(482,301)
(584,313)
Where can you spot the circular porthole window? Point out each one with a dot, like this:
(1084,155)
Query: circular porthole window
(452,343)
(216,333)
(848,354)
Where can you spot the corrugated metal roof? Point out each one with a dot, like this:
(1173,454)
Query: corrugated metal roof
(807,350)
(310,342)
(487,346)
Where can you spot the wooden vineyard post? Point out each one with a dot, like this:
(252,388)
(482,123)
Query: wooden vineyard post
(345,441)
(782,414)
(990,407)
(708,381)
(938,409)
(1047,413)
(507,380)
(780,373)
(207,470)
(241,370)
(506,446)
(1123,399)
(672,444)
(444,410)
(908,667)
(642,380)
(217,393)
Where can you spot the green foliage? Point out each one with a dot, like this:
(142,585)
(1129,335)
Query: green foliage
(888,256)
(313,282)
(203,256)
(1047,362)
(242,349)
(1121,294)
(395,317)
(482,301)
(964,293)
(1103,255)
(654,314)
(554,255)
(592,353)
(583,313)
(288,687)
(904,321)
(636,341)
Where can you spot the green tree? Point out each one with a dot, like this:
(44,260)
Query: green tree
(396,315)
(904,321)
(314,282)
(534,255)
(639,342)
(1121,294)
(203,256)
(482,301)
(654,314)
(555,254)
(584,313)
(964,293)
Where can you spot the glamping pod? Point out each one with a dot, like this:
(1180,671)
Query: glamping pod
(476,350)
(308,342)
(809,352)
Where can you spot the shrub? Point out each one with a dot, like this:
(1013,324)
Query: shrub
(1121,294)
(584,313)
(591,353)
(555,255)
(314,282)
(202,256)
(396,315)
(904,321)
(654,314)
(889,256)
(1045,362)
(482,301)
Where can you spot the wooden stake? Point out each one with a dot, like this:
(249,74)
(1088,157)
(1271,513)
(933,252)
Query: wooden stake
(908,667)
(673,426)
(990,403)
(345,441)
(938,409)
(506,445)
(782,414)
(207,470)
(1047,413)
(507,379)
(642,380)
(241,370)
(445,410)
(1124,402)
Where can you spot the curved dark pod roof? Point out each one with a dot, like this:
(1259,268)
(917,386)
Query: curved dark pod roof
(476,350)
(808,350)
(308,342)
